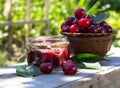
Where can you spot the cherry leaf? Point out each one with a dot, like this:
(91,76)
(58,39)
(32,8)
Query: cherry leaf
(89,65)
(99,18)
(87,57)
(28,71)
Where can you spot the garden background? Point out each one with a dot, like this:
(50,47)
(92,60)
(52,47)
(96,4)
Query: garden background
(46,17)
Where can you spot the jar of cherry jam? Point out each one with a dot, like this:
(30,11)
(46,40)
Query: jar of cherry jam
(47,49)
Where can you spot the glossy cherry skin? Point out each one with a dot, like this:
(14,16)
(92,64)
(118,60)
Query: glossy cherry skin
(65,28)
(79,13)
(66,61)
(63,24)
(101,30)
(46,68)
(108,28)
(74,28)
(69,68)
(90,17)
(93,29)
(84,23)
(70,20)
(103,23)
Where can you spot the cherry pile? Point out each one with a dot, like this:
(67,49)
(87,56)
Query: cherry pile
(68,67)
(82,22)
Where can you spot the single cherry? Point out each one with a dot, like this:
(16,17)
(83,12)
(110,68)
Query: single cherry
(69,68)
(79,13)
(84,23)
(65,28)
(74,28)
(103,23)
(46,68)
(90,17)
(93,29)
(63,24)
(70,20)
(101,30)
(108,28)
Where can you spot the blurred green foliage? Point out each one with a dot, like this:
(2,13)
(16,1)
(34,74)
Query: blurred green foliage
(107,5)
(59,10)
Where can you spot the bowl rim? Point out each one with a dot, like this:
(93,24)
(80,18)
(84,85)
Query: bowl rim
(86,34)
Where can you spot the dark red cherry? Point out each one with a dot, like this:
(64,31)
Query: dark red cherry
(63,24)
(79,13)
(70,20)
(103,23)
(101,30)
(90,17)
(67,61)
(108,28)
(65,28)
(46,68)
(92,29)
(69,68)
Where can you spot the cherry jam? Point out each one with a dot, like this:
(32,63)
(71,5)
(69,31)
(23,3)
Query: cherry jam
(50,50)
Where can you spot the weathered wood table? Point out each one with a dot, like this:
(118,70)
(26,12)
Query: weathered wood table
(108,77)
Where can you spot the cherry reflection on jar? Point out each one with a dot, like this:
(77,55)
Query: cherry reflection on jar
(44,49)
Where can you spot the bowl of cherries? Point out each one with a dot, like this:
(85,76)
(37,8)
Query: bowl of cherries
(87,33)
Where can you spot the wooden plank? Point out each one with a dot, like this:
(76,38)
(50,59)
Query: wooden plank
(21,22)
(107,77)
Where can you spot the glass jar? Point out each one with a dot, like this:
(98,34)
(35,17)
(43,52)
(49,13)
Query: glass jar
(47,49)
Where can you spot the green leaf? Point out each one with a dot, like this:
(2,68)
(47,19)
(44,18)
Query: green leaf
(94,6)
(87,57)
(89,65)
(28,71)
(99,18)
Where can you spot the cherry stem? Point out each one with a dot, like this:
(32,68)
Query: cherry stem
(97,3)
